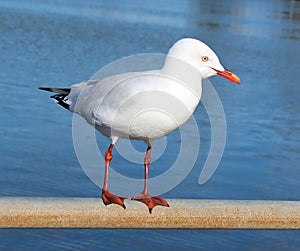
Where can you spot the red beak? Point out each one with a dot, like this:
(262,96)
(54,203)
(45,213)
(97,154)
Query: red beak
(229,75)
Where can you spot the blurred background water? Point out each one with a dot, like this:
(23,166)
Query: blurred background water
(58,43)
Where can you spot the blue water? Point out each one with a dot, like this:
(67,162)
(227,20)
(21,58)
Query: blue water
(58,43)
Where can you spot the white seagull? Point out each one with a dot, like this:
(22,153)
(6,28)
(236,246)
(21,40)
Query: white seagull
(144,105)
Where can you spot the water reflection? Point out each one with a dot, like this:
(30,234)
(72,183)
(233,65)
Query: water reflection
(251,18)
(294,12)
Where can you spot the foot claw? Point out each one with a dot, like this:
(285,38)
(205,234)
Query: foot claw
(109,198)
(151,201)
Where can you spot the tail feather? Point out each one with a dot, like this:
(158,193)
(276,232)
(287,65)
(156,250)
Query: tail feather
(61,96)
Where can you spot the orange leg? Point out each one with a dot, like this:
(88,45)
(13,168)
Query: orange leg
(107,197)
(144,197)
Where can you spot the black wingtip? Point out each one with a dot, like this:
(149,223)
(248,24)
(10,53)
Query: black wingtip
(56,90)
(60,99)
(45,89)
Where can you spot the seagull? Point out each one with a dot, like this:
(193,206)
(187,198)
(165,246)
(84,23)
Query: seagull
(144,105)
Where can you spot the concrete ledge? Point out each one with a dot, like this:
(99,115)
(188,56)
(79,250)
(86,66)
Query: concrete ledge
(33,212)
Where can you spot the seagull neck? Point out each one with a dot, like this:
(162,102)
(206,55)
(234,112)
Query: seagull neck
(184,72)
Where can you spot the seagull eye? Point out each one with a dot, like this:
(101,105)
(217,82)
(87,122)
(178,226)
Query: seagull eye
(204,58)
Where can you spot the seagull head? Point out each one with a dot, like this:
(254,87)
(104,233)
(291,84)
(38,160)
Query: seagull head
(201,57)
